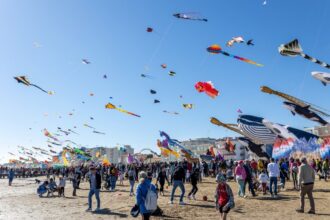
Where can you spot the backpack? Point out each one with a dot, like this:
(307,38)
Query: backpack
(151,200)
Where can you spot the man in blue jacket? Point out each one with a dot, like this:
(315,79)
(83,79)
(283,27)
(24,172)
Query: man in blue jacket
(95,186)
(141,193)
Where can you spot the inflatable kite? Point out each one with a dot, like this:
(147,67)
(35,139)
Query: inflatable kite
(111,106)
(293,49)
(208,88)
(323,77)
(189,16)
(216,49)
(235,40)
(24,80)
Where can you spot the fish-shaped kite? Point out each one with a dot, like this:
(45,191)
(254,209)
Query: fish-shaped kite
(293,49)
(208,88)
(216,49)
(112,106)
(189,16)
(25,81)
(235,40)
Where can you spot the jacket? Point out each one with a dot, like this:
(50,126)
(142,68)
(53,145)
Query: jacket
(98,181)
(306,174)
(230,202)
(240,171)
(179,174)
(141,194)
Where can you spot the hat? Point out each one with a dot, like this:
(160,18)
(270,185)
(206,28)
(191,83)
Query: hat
(142,175)
(135,211)
(220,178)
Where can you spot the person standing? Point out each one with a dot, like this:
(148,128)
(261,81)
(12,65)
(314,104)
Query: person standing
(95,186)
(306,178)
(131,178)
(178,179)
(240,175)
(325,169)
(274,172)
(11,175)
(249,176)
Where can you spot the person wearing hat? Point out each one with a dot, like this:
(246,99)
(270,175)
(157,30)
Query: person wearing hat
(141,193)
(306,178)
(95,186)
(224,197)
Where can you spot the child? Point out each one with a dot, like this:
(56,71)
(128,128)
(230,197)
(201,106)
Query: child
(263,179)
(52,187)
(61,186)
(224,197)
(193,180)
(121,178)
(42,189)
(74,181)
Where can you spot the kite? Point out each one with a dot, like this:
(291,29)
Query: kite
(171,73)
(153,91)
(98,132)
(111,106)
(188,106)
(305,112)
(72,131)
(52,151)
(323,77)
(91,118)
(239,111)
(91,94)
(293,49)
(85,61)
(25,81)
(250,42)
(105,76)
(149,29)
(165,149)
(295,100)
(146,76)
(57,144)
(156,101)
(189,16)
(164,66)
(208,88)
(50,146)
(88,126)
(172,113)
(235,40)
(229,146)
(216,49)
(47,134)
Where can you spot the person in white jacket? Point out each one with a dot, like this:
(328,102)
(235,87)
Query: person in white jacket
(263,179)
(273,172)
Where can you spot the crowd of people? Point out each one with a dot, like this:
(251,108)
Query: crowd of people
(255,175)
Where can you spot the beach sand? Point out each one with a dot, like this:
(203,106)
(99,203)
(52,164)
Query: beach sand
(21,202)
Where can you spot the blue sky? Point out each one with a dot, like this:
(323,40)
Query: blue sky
(112,35)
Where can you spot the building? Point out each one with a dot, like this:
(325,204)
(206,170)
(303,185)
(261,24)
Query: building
(200,145)
(113,154)
(321,131)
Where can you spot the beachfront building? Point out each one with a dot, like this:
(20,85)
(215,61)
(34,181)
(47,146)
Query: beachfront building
(199,145)
(321,131)
(113,154)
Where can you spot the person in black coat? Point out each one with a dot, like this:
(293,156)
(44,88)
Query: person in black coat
(194,177)
(95,181)
(161,179)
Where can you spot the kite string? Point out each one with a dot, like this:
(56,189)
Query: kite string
(160,43)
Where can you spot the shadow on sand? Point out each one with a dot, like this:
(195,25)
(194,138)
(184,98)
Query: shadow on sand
(107,211)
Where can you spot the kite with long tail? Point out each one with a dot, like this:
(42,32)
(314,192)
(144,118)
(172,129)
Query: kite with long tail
(112,106)
(25,81)
(293,49)
(216,49)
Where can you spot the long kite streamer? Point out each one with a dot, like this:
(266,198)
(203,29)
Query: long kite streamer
(293,49)
(216,49)
(24,80)
(112,106)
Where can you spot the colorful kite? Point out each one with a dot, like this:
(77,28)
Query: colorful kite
(208,88)
(293,49)
(216,49)
(188,106)
(25,81)
(189,16)
(235,40)
(111,106)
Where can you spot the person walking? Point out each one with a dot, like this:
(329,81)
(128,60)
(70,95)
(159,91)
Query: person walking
(95,186)
(178,179)
(11,175)
(161,179)
(306,178)
(240,175)
(249,176)
(274,172)
(193,180)
(131,178)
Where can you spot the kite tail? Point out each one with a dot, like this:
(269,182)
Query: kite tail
(38,87)
(315,60)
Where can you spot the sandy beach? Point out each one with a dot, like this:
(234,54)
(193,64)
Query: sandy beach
(21,202)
